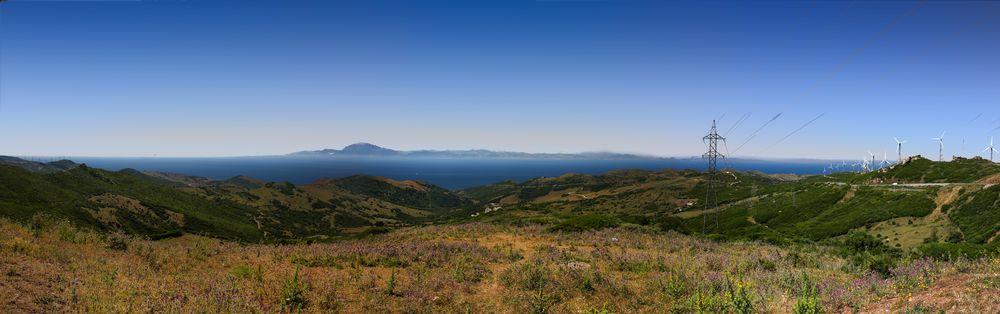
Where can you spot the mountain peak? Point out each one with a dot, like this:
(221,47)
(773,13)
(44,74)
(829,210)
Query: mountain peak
(366,148)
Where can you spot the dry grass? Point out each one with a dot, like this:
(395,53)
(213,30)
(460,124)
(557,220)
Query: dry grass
(476,268)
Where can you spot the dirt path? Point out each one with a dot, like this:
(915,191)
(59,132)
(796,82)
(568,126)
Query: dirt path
(990,180)
(945,196)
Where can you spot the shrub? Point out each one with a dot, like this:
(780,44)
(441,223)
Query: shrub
(881,264)
(117,241)
(375,230)
(954,237)
(468,269)
(702,301)
(390,287)
(603,310)
(245,272)
(767,265)
(808,300)
(536,279)
(532,275)
(858,242)
(675,285)
(739,296)
(950,251)
(293,293)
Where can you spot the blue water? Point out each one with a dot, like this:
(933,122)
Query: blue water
(448,173)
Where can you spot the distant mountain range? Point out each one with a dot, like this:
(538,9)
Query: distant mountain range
(366,149)
(42,167)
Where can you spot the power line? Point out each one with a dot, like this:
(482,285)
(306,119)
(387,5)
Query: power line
(752,135)
(796,131)
(737,124)
(868,43)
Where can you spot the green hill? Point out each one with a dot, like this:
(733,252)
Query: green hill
(977,213)
(907,205)
(916,202)
(160,205)
(408,193)
(126,200)
(922,170)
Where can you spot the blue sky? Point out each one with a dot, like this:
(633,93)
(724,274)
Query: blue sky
(219,78)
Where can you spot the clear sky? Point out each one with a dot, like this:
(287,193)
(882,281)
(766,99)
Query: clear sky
(218,78)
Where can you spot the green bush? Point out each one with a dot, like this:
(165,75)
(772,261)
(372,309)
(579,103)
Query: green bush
(375,230)
(951,251)
(245,272)
(702,301)
(293,293)
(881,264)
(858,242)
(739,296)
(117,241)
(807,301)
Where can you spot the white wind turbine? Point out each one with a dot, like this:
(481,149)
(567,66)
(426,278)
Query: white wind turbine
(899,149)
(873,164)
(991,149)
(940,141)
(885,161)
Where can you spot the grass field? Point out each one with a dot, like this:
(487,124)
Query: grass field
(475,268)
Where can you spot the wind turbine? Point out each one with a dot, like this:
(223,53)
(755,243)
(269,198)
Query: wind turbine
(873,160)
(991,149)
(885,161)
(899,149)
(940,141)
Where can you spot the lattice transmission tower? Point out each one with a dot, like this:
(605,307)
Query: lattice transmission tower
(712,158)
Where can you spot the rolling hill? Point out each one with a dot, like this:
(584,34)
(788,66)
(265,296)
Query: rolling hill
(161,205)
(907,205)
(919,201)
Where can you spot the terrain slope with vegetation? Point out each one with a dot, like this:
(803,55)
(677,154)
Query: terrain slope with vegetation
(159,205)
(915,237)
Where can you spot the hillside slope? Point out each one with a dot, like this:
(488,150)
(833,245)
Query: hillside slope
(162,205)
(906,205)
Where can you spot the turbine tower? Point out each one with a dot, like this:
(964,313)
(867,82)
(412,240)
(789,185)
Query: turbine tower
(940,141)
(873,160)
(991,149)
(899,149)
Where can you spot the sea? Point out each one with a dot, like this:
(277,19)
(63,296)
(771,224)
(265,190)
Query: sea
(450,173)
